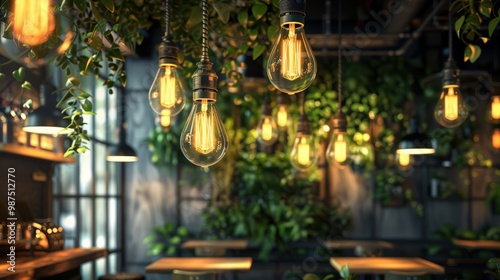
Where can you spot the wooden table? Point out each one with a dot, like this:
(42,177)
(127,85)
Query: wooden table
(350,244)
(223,244)
(166,265)
(382,265)
(478,244)
(53,264)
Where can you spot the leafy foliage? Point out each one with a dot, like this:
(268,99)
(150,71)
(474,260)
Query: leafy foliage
(165,239)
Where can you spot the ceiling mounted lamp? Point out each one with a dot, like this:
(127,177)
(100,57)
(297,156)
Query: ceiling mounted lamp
(414,143)
(32,21)
(204,140)
(46,119)
(304,152)
(337,152)
(450,111)
(168,91)
(267,128)
(122,152)
(291,66)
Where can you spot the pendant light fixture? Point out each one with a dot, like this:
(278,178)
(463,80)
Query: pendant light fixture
(304,152)
(267,128)
(495,139)
(167,95)
(283,101)
(450,111)
(291,66)
(337,152)
(203,140)
(32,21)
(495,109)
(414,143)
(122,152)
(46,119)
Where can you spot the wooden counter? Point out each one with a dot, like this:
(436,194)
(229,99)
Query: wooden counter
(351,244)
(223,244)
(166,265)
(382,265)
(50,264)
(478,244)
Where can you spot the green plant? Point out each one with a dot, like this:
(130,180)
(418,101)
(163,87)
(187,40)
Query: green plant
(493,197)
(165,239)
(495,263)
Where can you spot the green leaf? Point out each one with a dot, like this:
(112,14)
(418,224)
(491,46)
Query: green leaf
(344,271)
(458,24)
(18,74)
(493,25)
(139,2)
(95,42)
(182,231)
(485,8)
(170,251)
(2,75)
(475,52)
(258,10)
(474,19)
(271,32)
(87,106)
(109,4)
(175,240)
(26,85)
(257,51)
(222,10)
(69,153)
(80,5)
(195,17)
(243,18)
(74,81)
(116,53)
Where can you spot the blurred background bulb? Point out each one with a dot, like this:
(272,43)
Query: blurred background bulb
(267,130)
(291,67)
(495,139)
(282,116)
(165,118)
(337,152)
(32,21)
(450,110)
(403,159)
(495,108)
(203,140)
(303,154)
(168,90)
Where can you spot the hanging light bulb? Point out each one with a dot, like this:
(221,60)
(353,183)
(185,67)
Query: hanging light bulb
(203,140)
(165,118)
(169,89)
(32,21)
(267,128)
(403,159)
(495,108)
(282,112)
(337,152)
(450,111)
(304,152)
(495,139)
(291,67)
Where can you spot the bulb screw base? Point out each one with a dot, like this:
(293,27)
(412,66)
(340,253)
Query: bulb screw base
(292,11)
(451,73)
(303,125)
(283,99)
(204,82)
(339,123)
(167,52)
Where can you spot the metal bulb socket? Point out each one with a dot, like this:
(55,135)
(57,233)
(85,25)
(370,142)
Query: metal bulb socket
(451,73)
(292,11)
(303,125)
(339,123)
(204,82)
(168,52)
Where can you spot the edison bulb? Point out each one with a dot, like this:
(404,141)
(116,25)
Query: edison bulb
(404,159)
(338,150)
(267,130)
(168,90)
(203,140)
(304,152)
(32,21)
(495,108)
(450,110)
(291,67)
(282,116)
(495,139)
(165,118)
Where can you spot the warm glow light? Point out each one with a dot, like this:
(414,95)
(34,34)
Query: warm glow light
(495,139)
(340,149)
(404,159)
(121,158)
(168,90)
(291,54)
(50,130)
(167,87)
(165,118)
(33,21)
(204,135)
(337,151)
(495,108)
(303,152)
(267,130)
(451,105)
(282,116)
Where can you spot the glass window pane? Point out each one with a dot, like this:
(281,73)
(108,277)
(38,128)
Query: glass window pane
(101,266)
(67,217)
(85,161)
(87,270)
(113,183)
(113,223)
(66,183)
(100,170)
(86,230)
(101,221)
(113,263)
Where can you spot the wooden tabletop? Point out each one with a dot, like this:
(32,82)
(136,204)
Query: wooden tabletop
(165,265)
(223,244)
(478,244)
(382,265)
(45,265)
(350,244)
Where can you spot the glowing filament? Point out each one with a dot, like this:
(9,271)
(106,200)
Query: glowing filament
(291,55)
(165,118)
(203,130)
(303,152)
(340,149)
(451,105)
(495,139)
(167,87)
(495,108)
(267,129)
(33,21)
(282,116)
(404,159)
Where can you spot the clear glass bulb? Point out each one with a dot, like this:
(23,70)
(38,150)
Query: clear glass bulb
(304,152)
(282,116)
(32,21)
(495,108)
(291,67)
(450,110)
(495,139)
(165,118)
(168,90)
(337,152)
(267,130)
(203,140)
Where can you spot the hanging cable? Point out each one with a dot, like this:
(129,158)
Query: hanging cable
(340,55)
(204,45)
(450,37)
(167,19)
